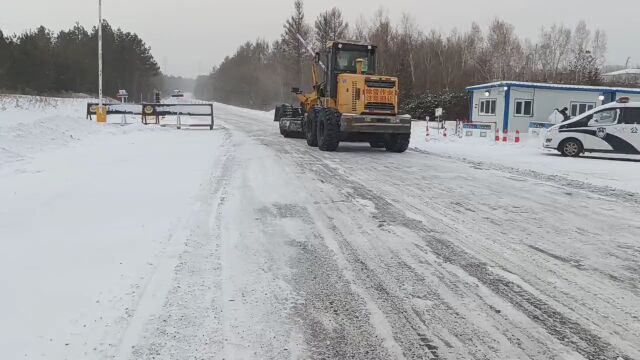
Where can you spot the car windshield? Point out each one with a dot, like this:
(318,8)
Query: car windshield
(346,60)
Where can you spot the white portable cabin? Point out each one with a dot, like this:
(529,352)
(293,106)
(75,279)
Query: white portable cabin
(514,105)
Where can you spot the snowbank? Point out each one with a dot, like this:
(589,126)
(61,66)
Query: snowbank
(88,211)
(622,172)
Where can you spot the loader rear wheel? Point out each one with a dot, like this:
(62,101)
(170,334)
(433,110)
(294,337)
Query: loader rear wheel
(328,130)
(397,143)
(311,127)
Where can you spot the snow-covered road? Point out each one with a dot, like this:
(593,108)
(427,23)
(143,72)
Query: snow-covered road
(250,246)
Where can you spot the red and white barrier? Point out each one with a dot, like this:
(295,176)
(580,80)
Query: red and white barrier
(505,136)
(517,136)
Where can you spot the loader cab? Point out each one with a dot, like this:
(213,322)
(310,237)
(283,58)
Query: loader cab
(342,59)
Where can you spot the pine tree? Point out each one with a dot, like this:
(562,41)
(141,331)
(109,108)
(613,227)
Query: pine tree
(39,62)
(4,60)
(32,63)
(330,26)
(74,60)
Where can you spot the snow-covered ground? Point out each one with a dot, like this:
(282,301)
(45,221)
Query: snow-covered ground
(616,171)
(87,211)
(140,242)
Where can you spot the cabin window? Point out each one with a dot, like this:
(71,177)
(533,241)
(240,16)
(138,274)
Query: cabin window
(579,108)
(488,107)
(524,108)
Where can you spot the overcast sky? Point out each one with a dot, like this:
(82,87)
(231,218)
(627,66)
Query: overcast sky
(188,37)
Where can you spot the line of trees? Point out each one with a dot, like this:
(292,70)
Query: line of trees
(260,73)
(41,62)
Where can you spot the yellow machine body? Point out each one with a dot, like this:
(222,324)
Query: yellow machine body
(367,94)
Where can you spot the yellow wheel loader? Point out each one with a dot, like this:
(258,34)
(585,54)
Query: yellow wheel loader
(351,104)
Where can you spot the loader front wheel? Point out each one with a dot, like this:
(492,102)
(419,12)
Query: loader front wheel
(397,143)
(311,127)
(328,129)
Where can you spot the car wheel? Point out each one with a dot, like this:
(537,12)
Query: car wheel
(571,148)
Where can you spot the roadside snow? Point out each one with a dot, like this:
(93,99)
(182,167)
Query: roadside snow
(88,212)
(621,172)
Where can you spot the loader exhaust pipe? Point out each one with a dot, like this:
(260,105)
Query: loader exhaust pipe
(359,66)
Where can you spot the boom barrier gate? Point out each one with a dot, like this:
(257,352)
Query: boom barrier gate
(151,113)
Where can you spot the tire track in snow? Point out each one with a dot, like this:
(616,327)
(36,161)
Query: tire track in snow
(175,315)
(566,330)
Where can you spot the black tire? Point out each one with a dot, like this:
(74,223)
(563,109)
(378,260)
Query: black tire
(311,127)
(571,147)
(377,144)
(328,129)
(397,143)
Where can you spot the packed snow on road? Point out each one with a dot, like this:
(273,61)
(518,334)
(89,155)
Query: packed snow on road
(147,242)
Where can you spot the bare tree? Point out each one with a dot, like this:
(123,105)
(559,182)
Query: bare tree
(381,34)
(508,57)
(408,36)
(292,45)
(361,29)
(552,51)
(431,63)
(599,46)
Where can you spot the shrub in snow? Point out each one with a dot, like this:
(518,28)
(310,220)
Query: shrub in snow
(454,102)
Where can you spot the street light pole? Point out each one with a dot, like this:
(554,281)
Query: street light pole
(100,52)
(101,112)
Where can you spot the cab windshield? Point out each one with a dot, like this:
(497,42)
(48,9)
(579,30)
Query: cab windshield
(346,60)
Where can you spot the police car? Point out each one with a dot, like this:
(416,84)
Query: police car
(612,128)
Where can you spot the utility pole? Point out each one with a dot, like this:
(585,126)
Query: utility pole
(101,114)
